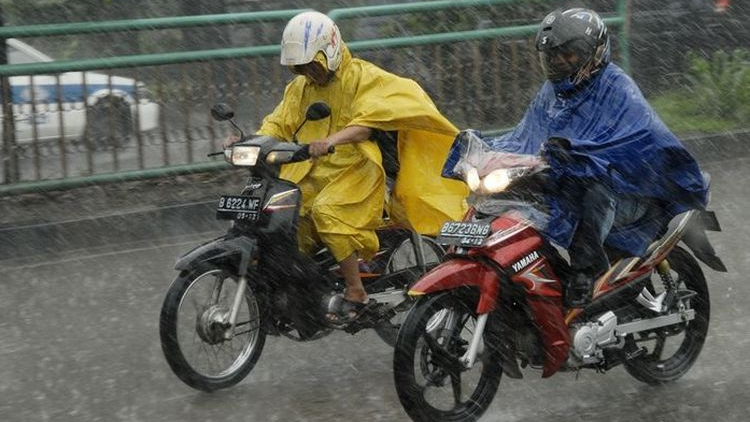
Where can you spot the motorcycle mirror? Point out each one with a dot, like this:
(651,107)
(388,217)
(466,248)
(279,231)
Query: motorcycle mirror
(318,111)
(222,112)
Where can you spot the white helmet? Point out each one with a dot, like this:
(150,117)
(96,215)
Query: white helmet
(307,34)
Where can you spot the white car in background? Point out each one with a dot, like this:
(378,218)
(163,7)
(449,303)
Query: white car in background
(112,108)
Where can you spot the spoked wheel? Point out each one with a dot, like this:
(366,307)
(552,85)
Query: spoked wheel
(432,384)
(403,257)
(672,350)
(198,343)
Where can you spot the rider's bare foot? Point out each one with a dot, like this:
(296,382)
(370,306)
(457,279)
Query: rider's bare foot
(343,310)
(355,295)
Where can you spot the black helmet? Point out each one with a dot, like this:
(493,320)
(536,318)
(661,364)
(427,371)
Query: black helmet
(572,44)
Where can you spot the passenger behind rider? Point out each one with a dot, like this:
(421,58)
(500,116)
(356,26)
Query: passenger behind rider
(618,174)
(344,193)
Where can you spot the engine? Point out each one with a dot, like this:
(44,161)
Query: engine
(589,338)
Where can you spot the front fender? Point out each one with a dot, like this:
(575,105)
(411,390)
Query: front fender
(457,273)
(238,249)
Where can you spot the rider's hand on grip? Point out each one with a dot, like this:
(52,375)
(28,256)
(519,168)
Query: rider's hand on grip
(304,153)
(556,149)
(320,148)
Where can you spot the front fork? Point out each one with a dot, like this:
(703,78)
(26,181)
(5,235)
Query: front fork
(236,303)
(468,359)
(451,323)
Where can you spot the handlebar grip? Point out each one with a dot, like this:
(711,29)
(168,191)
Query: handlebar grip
(302,154)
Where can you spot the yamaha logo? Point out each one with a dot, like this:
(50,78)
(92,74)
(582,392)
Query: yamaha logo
(525,261)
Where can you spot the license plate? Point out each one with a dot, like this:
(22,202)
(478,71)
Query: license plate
(232,207)
(461,233)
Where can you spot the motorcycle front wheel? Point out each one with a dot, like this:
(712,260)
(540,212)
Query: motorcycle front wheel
(431,383)
(669,352)
(198,344)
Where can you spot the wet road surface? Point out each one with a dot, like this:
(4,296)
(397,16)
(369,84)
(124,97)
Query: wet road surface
(79,342)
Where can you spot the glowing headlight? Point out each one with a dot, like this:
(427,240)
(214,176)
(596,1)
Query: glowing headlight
(245,155)
(472,179)
(496,181)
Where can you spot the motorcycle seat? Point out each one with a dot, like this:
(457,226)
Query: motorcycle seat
(622,266)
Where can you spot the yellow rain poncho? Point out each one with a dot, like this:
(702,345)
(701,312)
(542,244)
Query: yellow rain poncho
(344,192)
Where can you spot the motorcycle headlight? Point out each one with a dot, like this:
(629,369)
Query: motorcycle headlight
(496,181)
(472,179)
(244,155)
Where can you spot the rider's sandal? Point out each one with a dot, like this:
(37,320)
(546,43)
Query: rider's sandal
(344,311)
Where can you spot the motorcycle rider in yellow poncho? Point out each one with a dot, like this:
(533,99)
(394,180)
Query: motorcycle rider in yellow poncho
(344,192)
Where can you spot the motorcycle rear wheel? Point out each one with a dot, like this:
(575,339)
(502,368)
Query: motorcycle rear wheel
(192,330)
(430,381)
(401,258)
(672,351)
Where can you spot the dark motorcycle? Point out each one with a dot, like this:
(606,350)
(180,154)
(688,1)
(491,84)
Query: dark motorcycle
(496,301)
(251,282)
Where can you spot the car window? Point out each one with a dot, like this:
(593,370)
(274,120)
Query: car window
(16,56)
(19,53)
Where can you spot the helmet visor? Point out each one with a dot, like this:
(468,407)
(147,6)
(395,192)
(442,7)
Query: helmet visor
(564,61)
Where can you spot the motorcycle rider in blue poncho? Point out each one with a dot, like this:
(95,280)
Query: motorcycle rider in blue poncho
(618,175)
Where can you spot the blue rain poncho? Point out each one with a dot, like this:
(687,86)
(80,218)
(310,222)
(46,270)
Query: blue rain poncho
(615,138)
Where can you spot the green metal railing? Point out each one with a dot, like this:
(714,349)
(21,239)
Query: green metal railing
(138,25)
(144,24)
(179,58)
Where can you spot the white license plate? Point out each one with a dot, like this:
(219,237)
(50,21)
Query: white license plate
(462,233)
(234,207)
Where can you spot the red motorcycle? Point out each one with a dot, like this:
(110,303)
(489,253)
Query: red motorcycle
(495,305)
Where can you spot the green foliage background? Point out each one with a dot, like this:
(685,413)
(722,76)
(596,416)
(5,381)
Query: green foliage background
(716,96)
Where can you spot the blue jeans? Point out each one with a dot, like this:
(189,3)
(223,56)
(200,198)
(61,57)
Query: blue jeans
(602,210)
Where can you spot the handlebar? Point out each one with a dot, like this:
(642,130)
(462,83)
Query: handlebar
(301,155)
(304,153)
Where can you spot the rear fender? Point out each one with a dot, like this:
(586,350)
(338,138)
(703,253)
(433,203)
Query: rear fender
(695,238)
(457,273)
(237,250)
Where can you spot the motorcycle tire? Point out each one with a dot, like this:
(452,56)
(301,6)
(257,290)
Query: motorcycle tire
(191,325)
(427,347)
(110,123)
(399,258)
(651,367)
